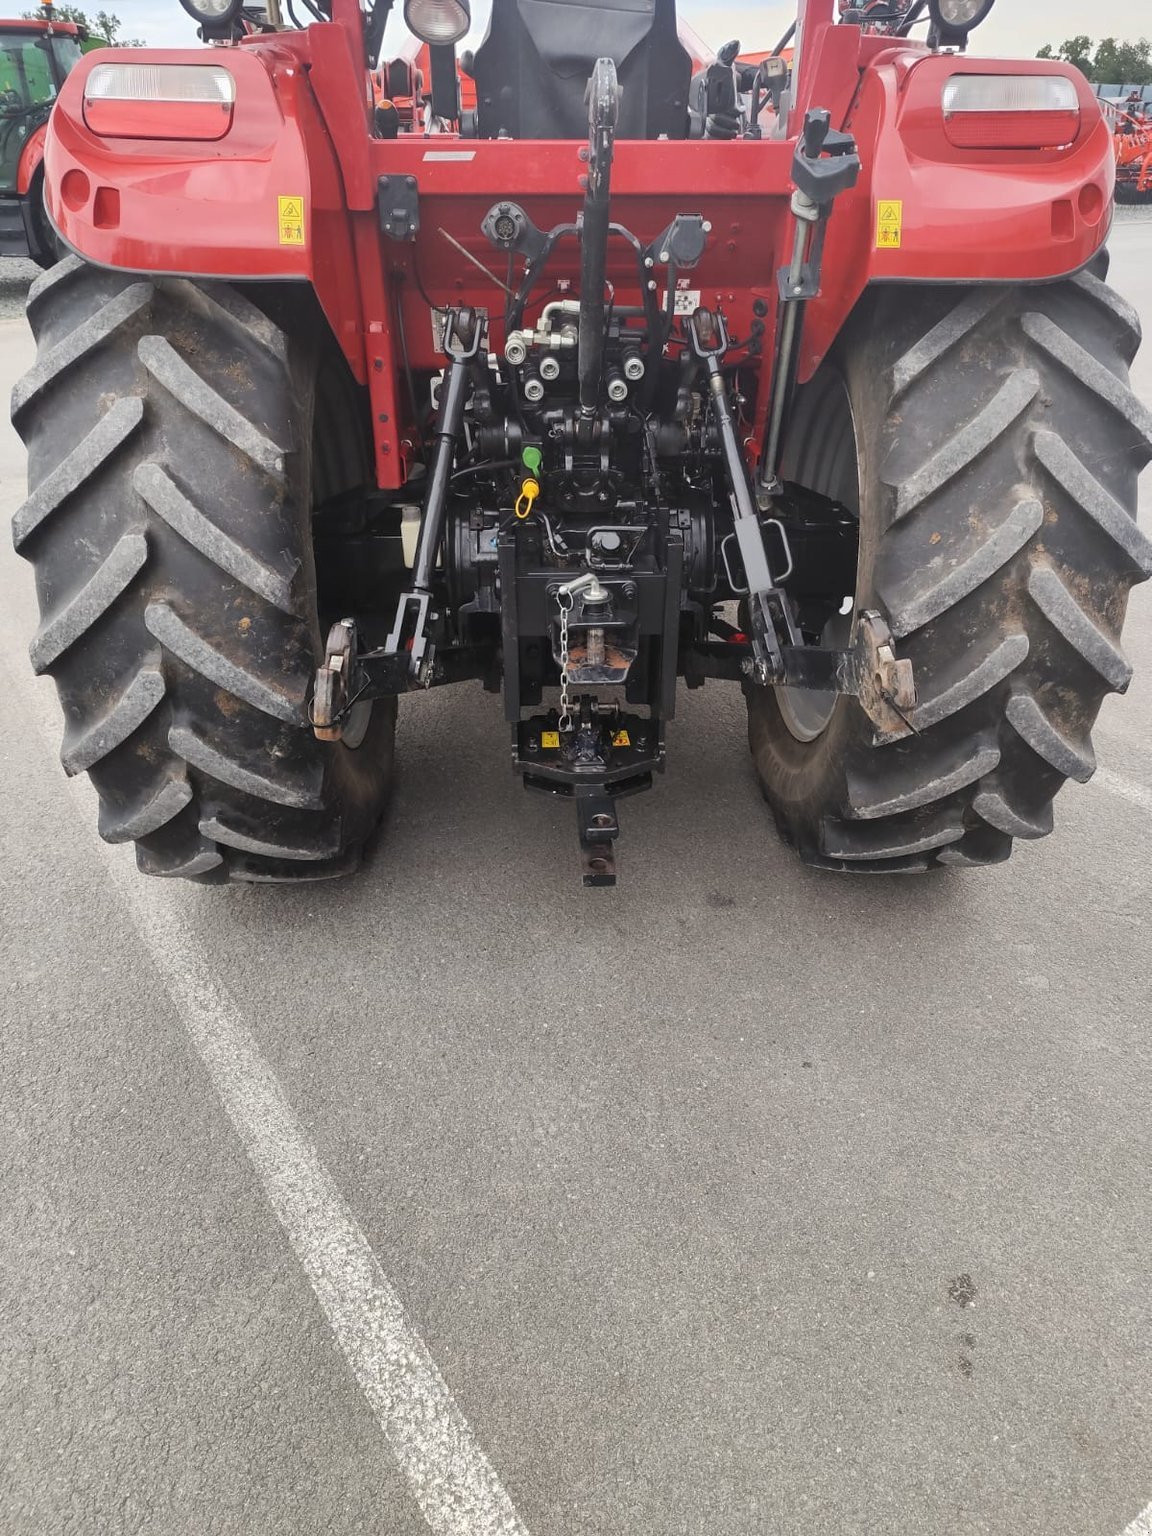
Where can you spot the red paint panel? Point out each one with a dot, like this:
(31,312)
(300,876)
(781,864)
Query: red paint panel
(196,120)
(183,209)
(31,158)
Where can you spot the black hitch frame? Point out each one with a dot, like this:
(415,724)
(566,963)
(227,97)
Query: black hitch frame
(595,753)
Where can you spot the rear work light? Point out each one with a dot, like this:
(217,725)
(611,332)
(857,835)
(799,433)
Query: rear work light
(159,101)
(1010,111)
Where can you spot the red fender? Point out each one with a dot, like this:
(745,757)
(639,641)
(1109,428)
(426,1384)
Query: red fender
(31,158)
(264,202)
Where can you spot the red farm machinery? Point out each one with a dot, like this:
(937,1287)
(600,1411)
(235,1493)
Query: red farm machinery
(36,55)
(1132,139)
(588,365)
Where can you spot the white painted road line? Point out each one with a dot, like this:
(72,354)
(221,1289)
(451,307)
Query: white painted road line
(1127,789)
(452,1480)
(449,1475)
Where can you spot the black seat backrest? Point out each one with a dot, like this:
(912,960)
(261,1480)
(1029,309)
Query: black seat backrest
(532,69)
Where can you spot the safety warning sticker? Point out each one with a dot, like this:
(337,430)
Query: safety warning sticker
(889,223)
(291,211)
(550,739)
(621,739)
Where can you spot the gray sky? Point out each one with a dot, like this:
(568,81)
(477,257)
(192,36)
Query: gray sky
(1015,26)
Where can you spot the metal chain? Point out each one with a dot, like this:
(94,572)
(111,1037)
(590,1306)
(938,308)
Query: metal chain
(565,600)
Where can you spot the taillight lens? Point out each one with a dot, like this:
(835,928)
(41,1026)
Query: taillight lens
(159,101)
(1010,111)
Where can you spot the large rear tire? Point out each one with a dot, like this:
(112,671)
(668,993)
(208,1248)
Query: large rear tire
(991,445)
(47,248)
(169,427)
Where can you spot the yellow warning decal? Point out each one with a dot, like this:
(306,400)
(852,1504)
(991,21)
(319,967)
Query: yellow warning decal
(291,213)
(621,739)
(550,738)
(889,223)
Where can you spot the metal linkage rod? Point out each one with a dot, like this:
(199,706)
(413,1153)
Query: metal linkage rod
(603,111)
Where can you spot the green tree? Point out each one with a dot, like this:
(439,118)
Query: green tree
(1133,61)
(1110,63)
(1074,50)
(103,25)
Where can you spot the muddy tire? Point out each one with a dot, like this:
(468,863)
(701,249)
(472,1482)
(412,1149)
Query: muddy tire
(169,428)
(48,248)
(990,443)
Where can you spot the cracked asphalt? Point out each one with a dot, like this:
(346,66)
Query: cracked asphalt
(742,1199)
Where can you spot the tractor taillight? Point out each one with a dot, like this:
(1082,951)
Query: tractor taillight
(159,101)
(1010,111)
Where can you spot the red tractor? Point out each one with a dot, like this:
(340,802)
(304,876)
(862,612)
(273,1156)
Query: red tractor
(640,373)
(35,57)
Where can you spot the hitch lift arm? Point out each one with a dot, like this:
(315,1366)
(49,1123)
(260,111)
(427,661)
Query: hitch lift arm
(870,670)
(463,333)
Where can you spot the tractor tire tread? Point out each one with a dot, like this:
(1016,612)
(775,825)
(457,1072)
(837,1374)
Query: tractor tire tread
(1012,622)
(180,624)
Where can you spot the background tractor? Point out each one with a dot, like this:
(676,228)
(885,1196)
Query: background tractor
(625,368)
(35,57)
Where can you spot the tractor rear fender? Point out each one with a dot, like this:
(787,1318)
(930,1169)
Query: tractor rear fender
(925,211)
(263,201)
(31,159)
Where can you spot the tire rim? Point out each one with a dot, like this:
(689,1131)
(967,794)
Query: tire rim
(356,728)
(831,467)
(807,711)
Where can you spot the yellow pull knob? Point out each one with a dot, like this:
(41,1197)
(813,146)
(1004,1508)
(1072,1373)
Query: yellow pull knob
(529,490)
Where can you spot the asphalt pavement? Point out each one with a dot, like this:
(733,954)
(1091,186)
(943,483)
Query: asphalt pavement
(740,1199)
